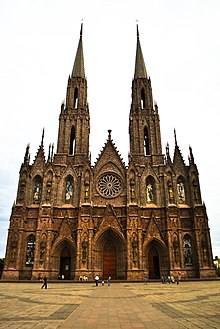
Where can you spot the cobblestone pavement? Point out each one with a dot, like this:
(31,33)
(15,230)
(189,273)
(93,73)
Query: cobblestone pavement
(122,305)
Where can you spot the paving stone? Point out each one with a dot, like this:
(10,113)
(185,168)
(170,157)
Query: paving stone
(124,306)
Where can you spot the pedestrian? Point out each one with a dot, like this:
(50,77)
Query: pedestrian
(96,280)
(45,282)
(177,279)
(109,281)
(103,282)
(145,279)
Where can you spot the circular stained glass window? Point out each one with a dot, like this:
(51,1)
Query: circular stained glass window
(109,185)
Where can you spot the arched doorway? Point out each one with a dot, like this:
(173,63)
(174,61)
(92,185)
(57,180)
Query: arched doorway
(109,260)
(65,263)
(153,263)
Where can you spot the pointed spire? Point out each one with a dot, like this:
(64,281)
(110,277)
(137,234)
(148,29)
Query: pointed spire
(48,158)
(27,154)
(140,69)
(175,136)
(191,157)
(42,138)
(78,67)
(109,134)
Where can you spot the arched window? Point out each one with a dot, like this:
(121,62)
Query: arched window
(37,188)
(187,248)
(181,190)
(75,102)
(150,190)
(30,250)
(146,142)
(72,140)
(143,101)
(69,189)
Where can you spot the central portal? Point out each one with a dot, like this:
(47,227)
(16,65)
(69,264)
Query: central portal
(109,260)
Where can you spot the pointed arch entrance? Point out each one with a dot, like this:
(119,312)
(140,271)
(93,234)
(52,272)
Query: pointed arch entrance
(153,263)
(157,262)
(109,260)
(63,260)
(65,263)
(110,255)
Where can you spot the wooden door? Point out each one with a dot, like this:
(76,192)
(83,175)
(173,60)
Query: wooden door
(109,260)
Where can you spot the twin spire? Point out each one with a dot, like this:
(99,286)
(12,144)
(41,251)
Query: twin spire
(78,67)
(140,68)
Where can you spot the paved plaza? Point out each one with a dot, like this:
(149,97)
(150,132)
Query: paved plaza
(122,305)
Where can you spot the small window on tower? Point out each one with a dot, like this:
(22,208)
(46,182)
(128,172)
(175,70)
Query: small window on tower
(75,104)
(146,142)
(143,102)
(72,140)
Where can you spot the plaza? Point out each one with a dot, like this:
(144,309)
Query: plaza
(64,305)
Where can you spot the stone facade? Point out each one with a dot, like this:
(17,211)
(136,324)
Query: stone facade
(74,219)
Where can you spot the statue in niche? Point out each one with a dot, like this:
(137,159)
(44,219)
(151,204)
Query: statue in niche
(69,190)
(196,193)
(49,184)
(181,192)
(134,248)
(150,195)
(204,250)
(84,251)
(170,190)
(176,250)
(132,188)
(86,189)
(42,252)
(37,190)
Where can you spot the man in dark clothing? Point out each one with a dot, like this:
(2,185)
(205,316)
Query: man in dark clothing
(45,283)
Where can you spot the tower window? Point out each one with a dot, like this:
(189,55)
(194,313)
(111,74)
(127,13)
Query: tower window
(72,140)
(75,103)
(146,142)
(143,101)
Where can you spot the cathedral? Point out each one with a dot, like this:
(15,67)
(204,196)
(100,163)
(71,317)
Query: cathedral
(74,219)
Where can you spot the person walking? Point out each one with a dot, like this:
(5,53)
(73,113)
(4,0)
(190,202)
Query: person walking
(109,281)
(45,282)
(96,280)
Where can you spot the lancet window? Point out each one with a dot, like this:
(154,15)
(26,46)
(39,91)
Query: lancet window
(187,248)
(30,250)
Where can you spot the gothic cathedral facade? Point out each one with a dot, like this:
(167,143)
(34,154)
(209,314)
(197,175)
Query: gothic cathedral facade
(73,219)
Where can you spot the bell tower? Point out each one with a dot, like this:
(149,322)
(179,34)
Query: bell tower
(144,122)
(74,120)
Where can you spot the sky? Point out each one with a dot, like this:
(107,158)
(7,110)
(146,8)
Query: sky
(181,47)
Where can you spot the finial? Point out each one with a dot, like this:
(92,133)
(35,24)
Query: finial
(81,29)
(49,153)
(137,29)
(175,136)
(167,149)
(52,151)
(42,139)
(109,134)
(27,155)
(191,157)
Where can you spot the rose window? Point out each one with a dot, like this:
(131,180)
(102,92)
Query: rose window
(109,185)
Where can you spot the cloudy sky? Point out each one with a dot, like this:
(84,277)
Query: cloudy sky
(181,46)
